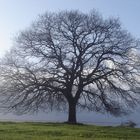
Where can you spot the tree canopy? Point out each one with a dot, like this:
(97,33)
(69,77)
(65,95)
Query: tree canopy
(72,59)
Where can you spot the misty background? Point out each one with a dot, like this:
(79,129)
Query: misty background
(18,15)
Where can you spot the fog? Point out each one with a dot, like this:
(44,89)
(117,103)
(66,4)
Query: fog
(82,116)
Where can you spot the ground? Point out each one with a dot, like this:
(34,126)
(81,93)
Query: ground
(59,131)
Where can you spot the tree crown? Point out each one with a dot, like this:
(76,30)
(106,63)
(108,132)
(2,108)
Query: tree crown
(72,57)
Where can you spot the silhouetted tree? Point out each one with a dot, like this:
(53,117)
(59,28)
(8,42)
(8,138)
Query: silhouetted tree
(68,60)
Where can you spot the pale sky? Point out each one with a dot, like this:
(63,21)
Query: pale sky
(17,15)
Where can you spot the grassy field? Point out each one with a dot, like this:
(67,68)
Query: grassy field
(56,131)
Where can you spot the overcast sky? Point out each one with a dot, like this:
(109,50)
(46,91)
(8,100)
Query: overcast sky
(17,15)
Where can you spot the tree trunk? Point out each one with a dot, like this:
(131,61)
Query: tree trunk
(72,113)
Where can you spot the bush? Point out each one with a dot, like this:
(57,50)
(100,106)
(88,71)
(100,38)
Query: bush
(128,124)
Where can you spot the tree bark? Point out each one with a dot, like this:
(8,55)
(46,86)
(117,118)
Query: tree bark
(72,113)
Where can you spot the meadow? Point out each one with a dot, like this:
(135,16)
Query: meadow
(60,131)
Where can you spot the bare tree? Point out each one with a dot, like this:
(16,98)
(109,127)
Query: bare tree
(72,59)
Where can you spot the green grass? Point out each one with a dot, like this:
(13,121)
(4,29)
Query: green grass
(56,131)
